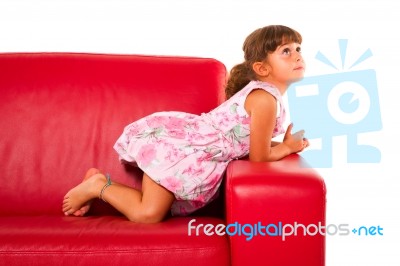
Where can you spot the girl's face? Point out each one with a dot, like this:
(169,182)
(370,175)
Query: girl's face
(285,65)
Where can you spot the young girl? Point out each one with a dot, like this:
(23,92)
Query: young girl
(183,156)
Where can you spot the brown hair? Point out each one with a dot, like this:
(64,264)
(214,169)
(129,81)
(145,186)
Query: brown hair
(256,48)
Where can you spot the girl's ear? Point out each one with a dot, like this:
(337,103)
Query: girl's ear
(261,69)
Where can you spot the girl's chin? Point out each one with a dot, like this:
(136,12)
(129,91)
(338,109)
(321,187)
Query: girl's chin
(297,79)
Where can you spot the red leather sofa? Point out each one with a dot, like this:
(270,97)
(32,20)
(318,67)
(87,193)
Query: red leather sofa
(60,114)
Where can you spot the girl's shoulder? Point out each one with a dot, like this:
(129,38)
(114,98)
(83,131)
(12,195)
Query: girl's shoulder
(253,85)
(237,101)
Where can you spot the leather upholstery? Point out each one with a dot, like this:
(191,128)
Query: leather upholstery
(283,192)
(60,114)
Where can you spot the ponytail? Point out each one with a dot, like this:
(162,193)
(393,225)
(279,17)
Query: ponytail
(239,76)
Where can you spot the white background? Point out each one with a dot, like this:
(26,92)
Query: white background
(358,194)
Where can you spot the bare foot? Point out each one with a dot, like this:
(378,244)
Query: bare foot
(80,196)
(85,208)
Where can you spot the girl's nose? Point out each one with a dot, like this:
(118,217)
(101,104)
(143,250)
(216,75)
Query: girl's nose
(299,57)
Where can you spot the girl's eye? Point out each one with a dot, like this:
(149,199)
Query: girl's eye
(286,51)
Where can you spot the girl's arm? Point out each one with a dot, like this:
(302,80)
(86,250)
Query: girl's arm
(261,106)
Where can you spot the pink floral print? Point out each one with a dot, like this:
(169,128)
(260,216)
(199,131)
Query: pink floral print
(146,154)
(187,153)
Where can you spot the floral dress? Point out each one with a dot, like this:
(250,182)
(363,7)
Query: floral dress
(188,154)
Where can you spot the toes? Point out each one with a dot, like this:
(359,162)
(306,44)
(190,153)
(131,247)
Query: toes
(66,204)
(85,209)
(82,211)
(67,195)
(78,213)
(69,211)
(66,207)
(66,211)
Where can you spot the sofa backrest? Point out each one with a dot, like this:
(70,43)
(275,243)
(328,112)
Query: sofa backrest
(61,113)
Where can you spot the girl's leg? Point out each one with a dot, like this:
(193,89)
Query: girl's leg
(150,205)
(147,206)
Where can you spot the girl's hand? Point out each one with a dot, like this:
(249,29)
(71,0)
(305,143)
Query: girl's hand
(295,142)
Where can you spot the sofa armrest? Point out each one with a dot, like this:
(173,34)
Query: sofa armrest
(269,207)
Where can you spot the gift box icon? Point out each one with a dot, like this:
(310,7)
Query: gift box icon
(344,103)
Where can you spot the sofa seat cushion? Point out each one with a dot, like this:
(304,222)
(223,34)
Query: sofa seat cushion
(107,240)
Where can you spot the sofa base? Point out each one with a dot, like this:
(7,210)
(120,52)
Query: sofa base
(107,240)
